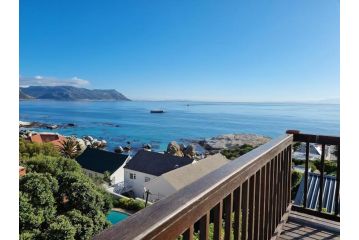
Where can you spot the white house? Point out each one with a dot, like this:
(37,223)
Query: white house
(96,162)
(146,165)
(172,181)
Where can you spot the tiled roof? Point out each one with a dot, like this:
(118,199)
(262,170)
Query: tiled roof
(55,139)
(313,192)
(100,160)
(156,163)
(188,174)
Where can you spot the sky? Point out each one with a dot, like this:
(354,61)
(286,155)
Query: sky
(261,50)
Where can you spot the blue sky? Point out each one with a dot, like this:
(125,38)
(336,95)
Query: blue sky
(264,50)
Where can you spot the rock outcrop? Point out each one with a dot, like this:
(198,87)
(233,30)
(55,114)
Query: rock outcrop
(174,149)
(230,140)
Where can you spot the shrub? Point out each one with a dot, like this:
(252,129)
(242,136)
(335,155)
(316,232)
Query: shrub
(236,151)
(129,204)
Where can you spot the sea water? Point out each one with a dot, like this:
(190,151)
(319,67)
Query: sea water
(183,121)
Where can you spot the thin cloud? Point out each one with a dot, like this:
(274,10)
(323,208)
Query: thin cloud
(52,81)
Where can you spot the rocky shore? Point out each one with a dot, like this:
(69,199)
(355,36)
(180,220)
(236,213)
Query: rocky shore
(23,124)
(185,147)
(227,141)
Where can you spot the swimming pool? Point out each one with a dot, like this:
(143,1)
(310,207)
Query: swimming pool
(115,217)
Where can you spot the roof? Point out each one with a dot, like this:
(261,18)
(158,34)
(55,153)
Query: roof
(55,139)
(100,160)
(188,174)
(313,192)
(156,163)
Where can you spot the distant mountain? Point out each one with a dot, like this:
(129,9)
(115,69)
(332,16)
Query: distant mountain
(22,95)
(69,93)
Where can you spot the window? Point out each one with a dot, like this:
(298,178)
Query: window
(132,176)
(147,179)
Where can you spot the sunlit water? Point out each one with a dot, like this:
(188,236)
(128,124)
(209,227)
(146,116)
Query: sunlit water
(119,122)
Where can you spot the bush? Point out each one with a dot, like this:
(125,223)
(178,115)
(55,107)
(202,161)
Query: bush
(330,167)
(28,149)
(236,151)
(129,204)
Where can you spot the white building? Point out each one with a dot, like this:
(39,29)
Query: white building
(146,166)
(96,162)
(172,181)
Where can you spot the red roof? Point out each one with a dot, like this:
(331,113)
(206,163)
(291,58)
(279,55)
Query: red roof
(55,139)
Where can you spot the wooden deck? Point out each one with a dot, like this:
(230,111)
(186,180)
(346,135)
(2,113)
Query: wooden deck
(304,226)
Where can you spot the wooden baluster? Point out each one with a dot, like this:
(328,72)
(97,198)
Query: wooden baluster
(257,194)
(306,175)
(250,206)
(279,192)
(204,227)
(244,210)
(336,208)
(274,193)
(263,199)
(217,221)
(321,189)
(237,212)
(289,200)
(228,216)
(188,234)
(269,199)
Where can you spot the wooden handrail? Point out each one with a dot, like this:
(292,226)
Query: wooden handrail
(319,139)
(167,219)
(323,141)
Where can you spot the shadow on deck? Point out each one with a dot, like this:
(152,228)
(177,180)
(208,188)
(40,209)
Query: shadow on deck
(304,226)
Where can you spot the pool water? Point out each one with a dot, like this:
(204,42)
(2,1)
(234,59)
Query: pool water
(115,217)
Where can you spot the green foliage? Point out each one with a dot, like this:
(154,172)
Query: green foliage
(236,151)
(296,179)
(61,228)
(107,177)
(52,165)
(129,204)
(83,224)
(70,148)
(28,149)
(311,165)
(58,201)
(296,146)
(330,167)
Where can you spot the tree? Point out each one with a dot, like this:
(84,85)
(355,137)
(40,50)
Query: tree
(52,165)
(58,201)
(61,228)
(69,148)
(28,149)
(38,190)
(83,225)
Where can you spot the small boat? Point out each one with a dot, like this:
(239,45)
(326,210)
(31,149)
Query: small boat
(157,111)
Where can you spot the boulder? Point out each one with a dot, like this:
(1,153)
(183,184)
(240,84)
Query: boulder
(174,149)
(190,151)
(119,149)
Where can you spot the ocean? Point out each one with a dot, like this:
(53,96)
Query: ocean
(120,122)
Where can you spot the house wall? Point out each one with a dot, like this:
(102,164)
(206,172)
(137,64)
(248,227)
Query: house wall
(92,173)
(119,175)
(137,184)
(159,189)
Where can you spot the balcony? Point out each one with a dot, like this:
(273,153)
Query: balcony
(248,198)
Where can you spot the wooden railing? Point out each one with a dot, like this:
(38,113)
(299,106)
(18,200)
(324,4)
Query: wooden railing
(244,199)
(324,141)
